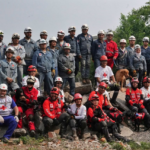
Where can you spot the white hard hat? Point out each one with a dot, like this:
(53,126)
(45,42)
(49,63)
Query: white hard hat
(146,39)
(3,87)
(72,28)
(1,33)
(59,79)
(42,41)
(104,79)
(123,41)
(53,39)
(15,35)
(61,32)
(84,26)
(28,29)
(132,38)
(110,32)
(101,32)
(10,48)
(67,46)
(137,46)
(31,79)
(44,32)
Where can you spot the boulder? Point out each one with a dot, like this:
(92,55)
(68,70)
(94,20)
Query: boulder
(68,97)
(125,131)
(80,88)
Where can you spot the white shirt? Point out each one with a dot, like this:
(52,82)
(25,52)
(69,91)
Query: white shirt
(146,93)
(101,73)
(36,84)
(62,95)
(80,113)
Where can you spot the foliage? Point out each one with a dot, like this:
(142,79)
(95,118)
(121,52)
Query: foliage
(136,23)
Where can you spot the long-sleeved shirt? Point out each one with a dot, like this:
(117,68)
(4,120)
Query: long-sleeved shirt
(2,50)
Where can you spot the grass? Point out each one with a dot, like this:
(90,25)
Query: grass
(117,146)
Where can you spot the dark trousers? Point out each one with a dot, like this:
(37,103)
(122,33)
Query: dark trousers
(78,123)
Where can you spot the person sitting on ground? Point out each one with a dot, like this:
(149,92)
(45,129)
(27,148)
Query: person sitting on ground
(32,72)
(8,70)
(77,112)
(99,121)
(7,118)
(53,112)
(134,97)
(104,71)
(146,93)
(30,94)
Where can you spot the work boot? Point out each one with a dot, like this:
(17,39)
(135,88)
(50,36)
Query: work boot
(32,133)
(106,134)
(88,81)
(74,134)
(4,140)
(62,132)
(19,132)
(83,81)
(113,99)
(82,135)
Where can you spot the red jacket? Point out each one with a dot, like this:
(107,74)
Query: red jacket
(52,109)
(111,49)
(135,96)
(30,95)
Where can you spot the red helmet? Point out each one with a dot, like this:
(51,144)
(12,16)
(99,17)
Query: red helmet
(77,96)
(134,80)
(146,79)
(31,68)
(55,90)
(94,97)
(103,58)
(103,84)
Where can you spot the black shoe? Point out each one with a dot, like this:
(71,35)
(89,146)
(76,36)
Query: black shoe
(5,140)
(32,133)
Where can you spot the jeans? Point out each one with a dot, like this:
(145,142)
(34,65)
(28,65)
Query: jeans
(20,75)
(76,65)
(96,62)
(71,82)
(85,66)
(25,67)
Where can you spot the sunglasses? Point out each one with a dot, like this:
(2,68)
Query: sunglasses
(102,87)
(30,83)
(58,83)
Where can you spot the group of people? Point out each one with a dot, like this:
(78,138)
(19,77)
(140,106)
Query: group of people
(57,62)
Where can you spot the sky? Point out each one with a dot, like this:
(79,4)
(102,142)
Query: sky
(54,15)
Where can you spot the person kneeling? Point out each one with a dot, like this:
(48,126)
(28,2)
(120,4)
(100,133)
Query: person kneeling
(53,112)
(77,112)
(7,106)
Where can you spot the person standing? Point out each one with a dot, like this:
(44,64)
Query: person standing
(85,41)
(43,35)
(18,57)
(7,106)
(72,40)
(30,47)
(55,53)
(44,63)
(145,51)
(66,64)
(8,70)
(2,46)
(111,49)
(98,48)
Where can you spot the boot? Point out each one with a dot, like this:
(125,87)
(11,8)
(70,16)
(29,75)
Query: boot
(62,132)
(83,81)
(32,133)
(88,81)
(74,134)
(113,99)
(82,135)
(106,134)
(4,140)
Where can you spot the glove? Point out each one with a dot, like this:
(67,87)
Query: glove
(1,119)
(34,102)
(16,118)
(55,122)
(72,116)
(53,73)
(18,59)
(134,73)
(69,71)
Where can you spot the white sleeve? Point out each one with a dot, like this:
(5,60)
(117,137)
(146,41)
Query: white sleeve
(83,114)
(24,81)
(69,111)
(38,83)
(111,73)
(97,73)
(63,99)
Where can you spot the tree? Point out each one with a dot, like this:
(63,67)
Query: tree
(136,23)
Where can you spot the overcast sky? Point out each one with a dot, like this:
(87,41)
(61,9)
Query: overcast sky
(54,15)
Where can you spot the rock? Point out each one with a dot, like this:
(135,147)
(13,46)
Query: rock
(68,97)
(80,88)
(125,131)
(138,143)
(19,132)
(103,140)
(1,143)
(85,98)
(57,131)
(87,135)
(94,137)
(52,135)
